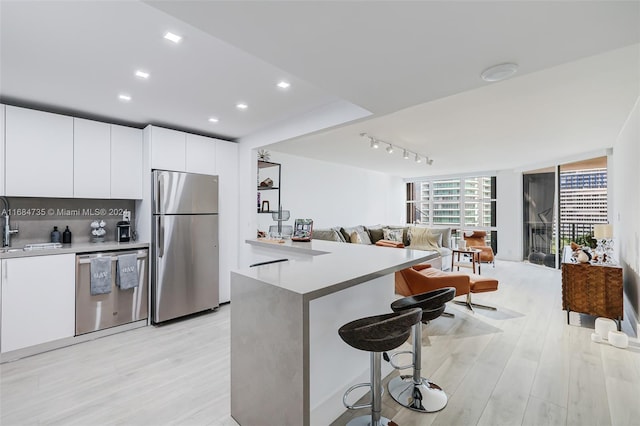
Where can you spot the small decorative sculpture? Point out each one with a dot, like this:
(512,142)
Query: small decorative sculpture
(583,257)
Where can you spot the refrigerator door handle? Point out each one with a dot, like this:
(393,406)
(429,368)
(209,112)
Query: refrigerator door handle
(159,191)
(160,236)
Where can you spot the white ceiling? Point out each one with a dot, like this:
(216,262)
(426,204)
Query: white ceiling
(413,65)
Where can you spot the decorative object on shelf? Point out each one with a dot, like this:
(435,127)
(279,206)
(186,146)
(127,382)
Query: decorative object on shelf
(375,144)
(280,216)
(604,235)
(267,183)
(265,206)
(263,155)
(97,231)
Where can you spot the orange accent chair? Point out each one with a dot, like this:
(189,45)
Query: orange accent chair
(422,278)
(477,241)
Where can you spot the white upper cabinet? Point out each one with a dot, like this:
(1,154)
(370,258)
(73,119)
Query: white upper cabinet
(2,149)
(38,153)
(126,162)
(91,159)
(168,149)
(201,155)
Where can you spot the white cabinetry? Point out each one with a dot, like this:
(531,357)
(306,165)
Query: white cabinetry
(2,149)
(228,187)
(91,159)
(168,149)
(126,162)
(38,300)
(39,153)
(200,155)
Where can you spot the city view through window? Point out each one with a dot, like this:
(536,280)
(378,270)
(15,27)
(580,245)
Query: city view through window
(460,203)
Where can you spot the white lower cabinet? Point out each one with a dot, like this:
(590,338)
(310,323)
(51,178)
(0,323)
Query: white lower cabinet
(38,300)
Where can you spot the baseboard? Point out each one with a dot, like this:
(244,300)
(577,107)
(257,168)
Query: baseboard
(632,317)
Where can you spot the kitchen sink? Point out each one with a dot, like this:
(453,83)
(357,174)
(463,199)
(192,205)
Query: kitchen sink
(42,246)
(10,250)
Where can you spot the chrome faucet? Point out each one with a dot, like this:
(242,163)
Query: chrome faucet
(7,231)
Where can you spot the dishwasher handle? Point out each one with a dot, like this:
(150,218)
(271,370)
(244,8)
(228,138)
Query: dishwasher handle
(87,259)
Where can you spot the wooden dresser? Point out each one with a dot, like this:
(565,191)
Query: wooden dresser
(592,289)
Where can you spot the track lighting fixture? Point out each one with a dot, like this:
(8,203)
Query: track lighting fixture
(375,143)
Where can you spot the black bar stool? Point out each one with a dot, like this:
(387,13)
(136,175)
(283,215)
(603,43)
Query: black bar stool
(377,334)
(414,391)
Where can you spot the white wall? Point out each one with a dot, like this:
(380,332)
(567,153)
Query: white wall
(509,214)
(626,207)
(336,195)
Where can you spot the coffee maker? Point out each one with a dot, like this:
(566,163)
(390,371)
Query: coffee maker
(123,228)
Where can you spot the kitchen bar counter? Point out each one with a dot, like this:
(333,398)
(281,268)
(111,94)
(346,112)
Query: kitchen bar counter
(288,364)
(85,247)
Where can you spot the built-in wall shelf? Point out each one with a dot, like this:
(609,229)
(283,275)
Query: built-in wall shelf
(268,196)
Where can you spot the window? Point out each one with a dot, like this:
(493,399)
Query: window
(465,202)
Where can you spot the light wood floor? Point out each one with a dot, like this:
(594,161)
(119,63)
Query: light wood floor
(521,365)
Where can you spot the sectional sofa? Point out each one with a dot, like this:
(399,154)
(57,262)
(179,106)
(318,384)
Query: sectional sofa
(413,237)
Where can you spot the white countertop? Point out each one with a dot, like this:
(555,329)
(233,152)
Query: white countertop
(330,266)
(85,247)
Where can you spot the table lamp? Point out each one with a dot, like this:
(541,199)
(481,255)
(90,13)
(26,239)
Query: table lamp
(604,234)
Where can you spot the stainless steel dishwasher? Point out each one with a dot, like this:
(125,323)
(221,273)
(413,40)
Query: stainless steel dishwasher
(97,312)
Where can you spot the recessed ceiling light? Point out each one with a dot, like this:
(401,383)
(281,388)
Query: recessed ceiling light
(142,74)
(242,106)
(213,120)
(284,85)
(499,72)
(172,37)
(124,97)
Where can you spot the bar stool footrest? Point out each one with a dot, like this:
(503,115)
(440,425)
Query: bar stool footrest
(400,367)
(354,387)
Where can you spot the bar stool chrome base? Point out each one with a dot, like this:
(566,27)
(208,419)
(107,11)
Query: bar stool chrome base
(425,397)
(366,421)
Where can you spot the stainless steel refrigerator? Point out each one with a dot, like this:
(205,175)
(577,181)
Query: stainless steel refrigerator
(184,276)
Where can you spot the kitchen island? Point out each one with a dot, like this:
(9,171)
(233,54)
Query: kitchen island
(288,364)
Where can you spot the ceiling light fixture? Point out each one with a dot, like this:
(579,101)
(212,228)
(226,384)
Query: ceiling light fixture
(284,85)
(242,106)
(142,74)
(375,143)
(172,37)
(213,120)
(124,97)
(499,72)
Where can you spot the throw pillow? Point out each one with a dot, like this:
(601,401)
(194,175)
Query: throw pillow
(424,239)
(327,235)
(375,233)
(392,234)
(362,234)
(355,238)
(405,233)
(446,235)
